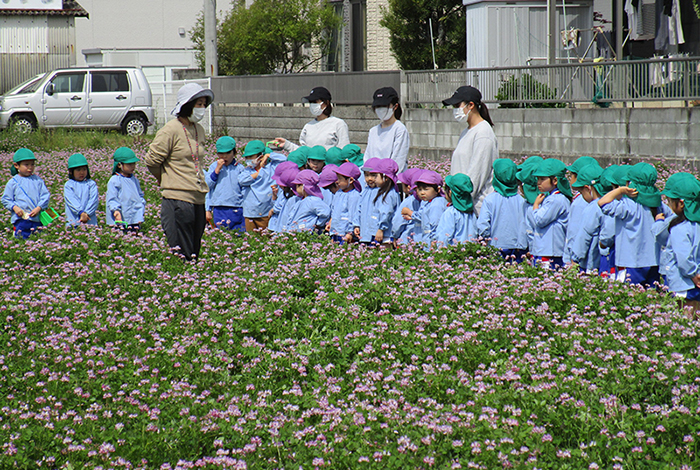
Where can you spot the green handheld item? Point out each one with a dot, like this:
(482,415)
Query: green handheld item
(48,216)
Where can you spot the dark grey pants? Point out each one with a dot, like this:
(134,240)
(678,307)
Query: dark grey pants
(183,224)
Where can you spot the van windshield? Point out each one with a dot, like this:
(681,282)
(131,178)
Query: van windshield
(29,86)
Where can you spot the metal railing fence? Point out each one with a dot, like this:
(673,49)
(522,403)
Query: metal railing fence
(598,82)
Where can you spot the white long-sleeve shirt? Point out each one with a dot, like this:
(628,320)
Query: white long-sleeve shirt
(474,156)
(329,132)
(389,142)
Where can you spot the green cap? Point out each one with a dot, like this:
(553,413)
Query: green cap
(580,163)
(643,178)
(590,175)
(317,153)
(334,156)
(553,167)
(620,176)
(504,181)
(77,160)
(461,188)
(123,155)
(686,187)
(298,156)
(353,154)
(525,175)
(21,155)
(254,147)
(225,144)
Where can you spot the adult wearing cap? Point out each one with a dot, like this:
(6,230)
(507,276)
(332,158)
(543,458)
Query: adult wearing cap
(477,147)
(388,139)
(324,129)
(176,159)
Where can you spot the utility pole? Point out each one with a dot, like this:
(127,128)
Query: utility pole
(211,68)
(551,32)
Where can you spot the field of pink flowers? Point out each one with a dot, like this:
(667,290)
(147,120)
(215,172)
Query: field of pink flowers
(293,352)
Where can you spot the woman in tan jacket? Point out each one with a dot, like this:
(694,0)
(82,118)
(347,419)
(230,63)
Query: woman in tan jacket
(176,159)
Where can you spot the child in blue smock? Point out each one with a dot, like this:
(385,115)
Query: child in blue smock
(256,182)
(636,249)
(433,204)
(25,194)
(457,224)
(353,153)
(125,204)
(283,195)
(502,215)
(530,193)
(611,176)
(317,158)
(345,202)
(328,182)
(311,213)
(405,228)
(375,213)
(550,213)
(578,203)
(584,249)
(80,193)
(683,275)
(224,200)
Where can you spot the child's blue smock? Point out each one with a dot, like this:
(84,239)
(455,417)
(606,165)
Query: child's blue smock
(456,227)
(635,245)
(578,204)
(224,188)
(549,223)
(684,245)
(79,197)
(327,196)
(278,206)
(501,220)
(427,218)
(257,192)
(309,213)
(283,217)
(342,209)
(529,226)
(403,229)
(125,195)
(584,248)
(660,231)
(372,216)
(27,192)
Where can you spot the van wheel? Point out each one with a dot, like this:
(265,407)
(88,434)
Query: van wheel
(23,123)
(134,125)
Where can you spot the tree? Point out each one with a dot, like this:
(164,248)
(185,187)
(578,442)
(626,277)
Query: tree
(268,37)
(407,21)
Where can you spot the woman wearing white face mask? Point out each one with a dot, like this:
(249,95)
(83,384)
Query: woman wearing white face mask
(388,139)
(326,130)
(176,159)
(477,148)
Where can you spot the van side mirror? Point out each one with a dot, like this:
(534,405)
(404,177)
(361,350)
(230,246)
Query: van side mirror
(51,89)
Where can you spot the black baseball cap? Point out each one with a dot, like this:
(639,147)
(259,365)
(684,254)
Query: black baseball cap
(318,93)
(463,94)
(384,97)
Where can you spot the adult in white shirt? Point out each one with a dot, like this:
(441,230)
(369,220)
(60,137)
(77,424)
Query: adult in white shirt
(477,148)
(388,139)
(324,129)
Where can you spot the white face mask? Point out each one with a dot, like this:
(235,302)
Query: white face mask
(197,114)
(384,114)
(459,114)
(251,163)
(316,109)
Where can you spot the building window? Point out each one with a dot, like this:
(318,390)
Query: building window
(358,42)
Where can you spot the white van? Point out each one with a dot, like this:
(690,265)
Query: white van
(108,98)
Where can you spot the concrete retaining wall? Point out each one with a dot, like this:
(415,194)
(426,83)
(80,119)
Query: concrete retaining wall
(609,134)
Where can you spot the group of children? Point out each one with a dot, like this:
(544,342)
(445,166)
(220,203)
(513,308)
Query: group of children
(615,224)
(26,195)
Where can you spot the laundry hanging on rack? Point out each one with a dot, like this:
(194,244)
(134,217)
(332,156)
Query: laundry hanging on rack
(669,31)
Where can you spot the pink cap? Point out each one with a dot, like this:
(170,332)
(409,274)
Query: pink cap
(387,167)
(279,169)
(287,177)
(409,176)
(350,170)
(309,179)
(328,175)
(371,164)
(429,177)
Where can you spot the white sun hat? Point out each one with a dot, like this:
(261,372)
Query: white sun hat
(190,92)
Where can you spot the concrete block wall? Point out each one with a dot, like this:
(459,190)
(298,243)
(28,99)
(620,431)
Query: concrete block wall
(611,135)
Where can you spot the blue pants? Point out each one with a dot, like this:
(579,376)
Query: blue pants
(338,239)
(551,262)
(24,228)
(230,218)
(607,263)
(643,276)
(513,254)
